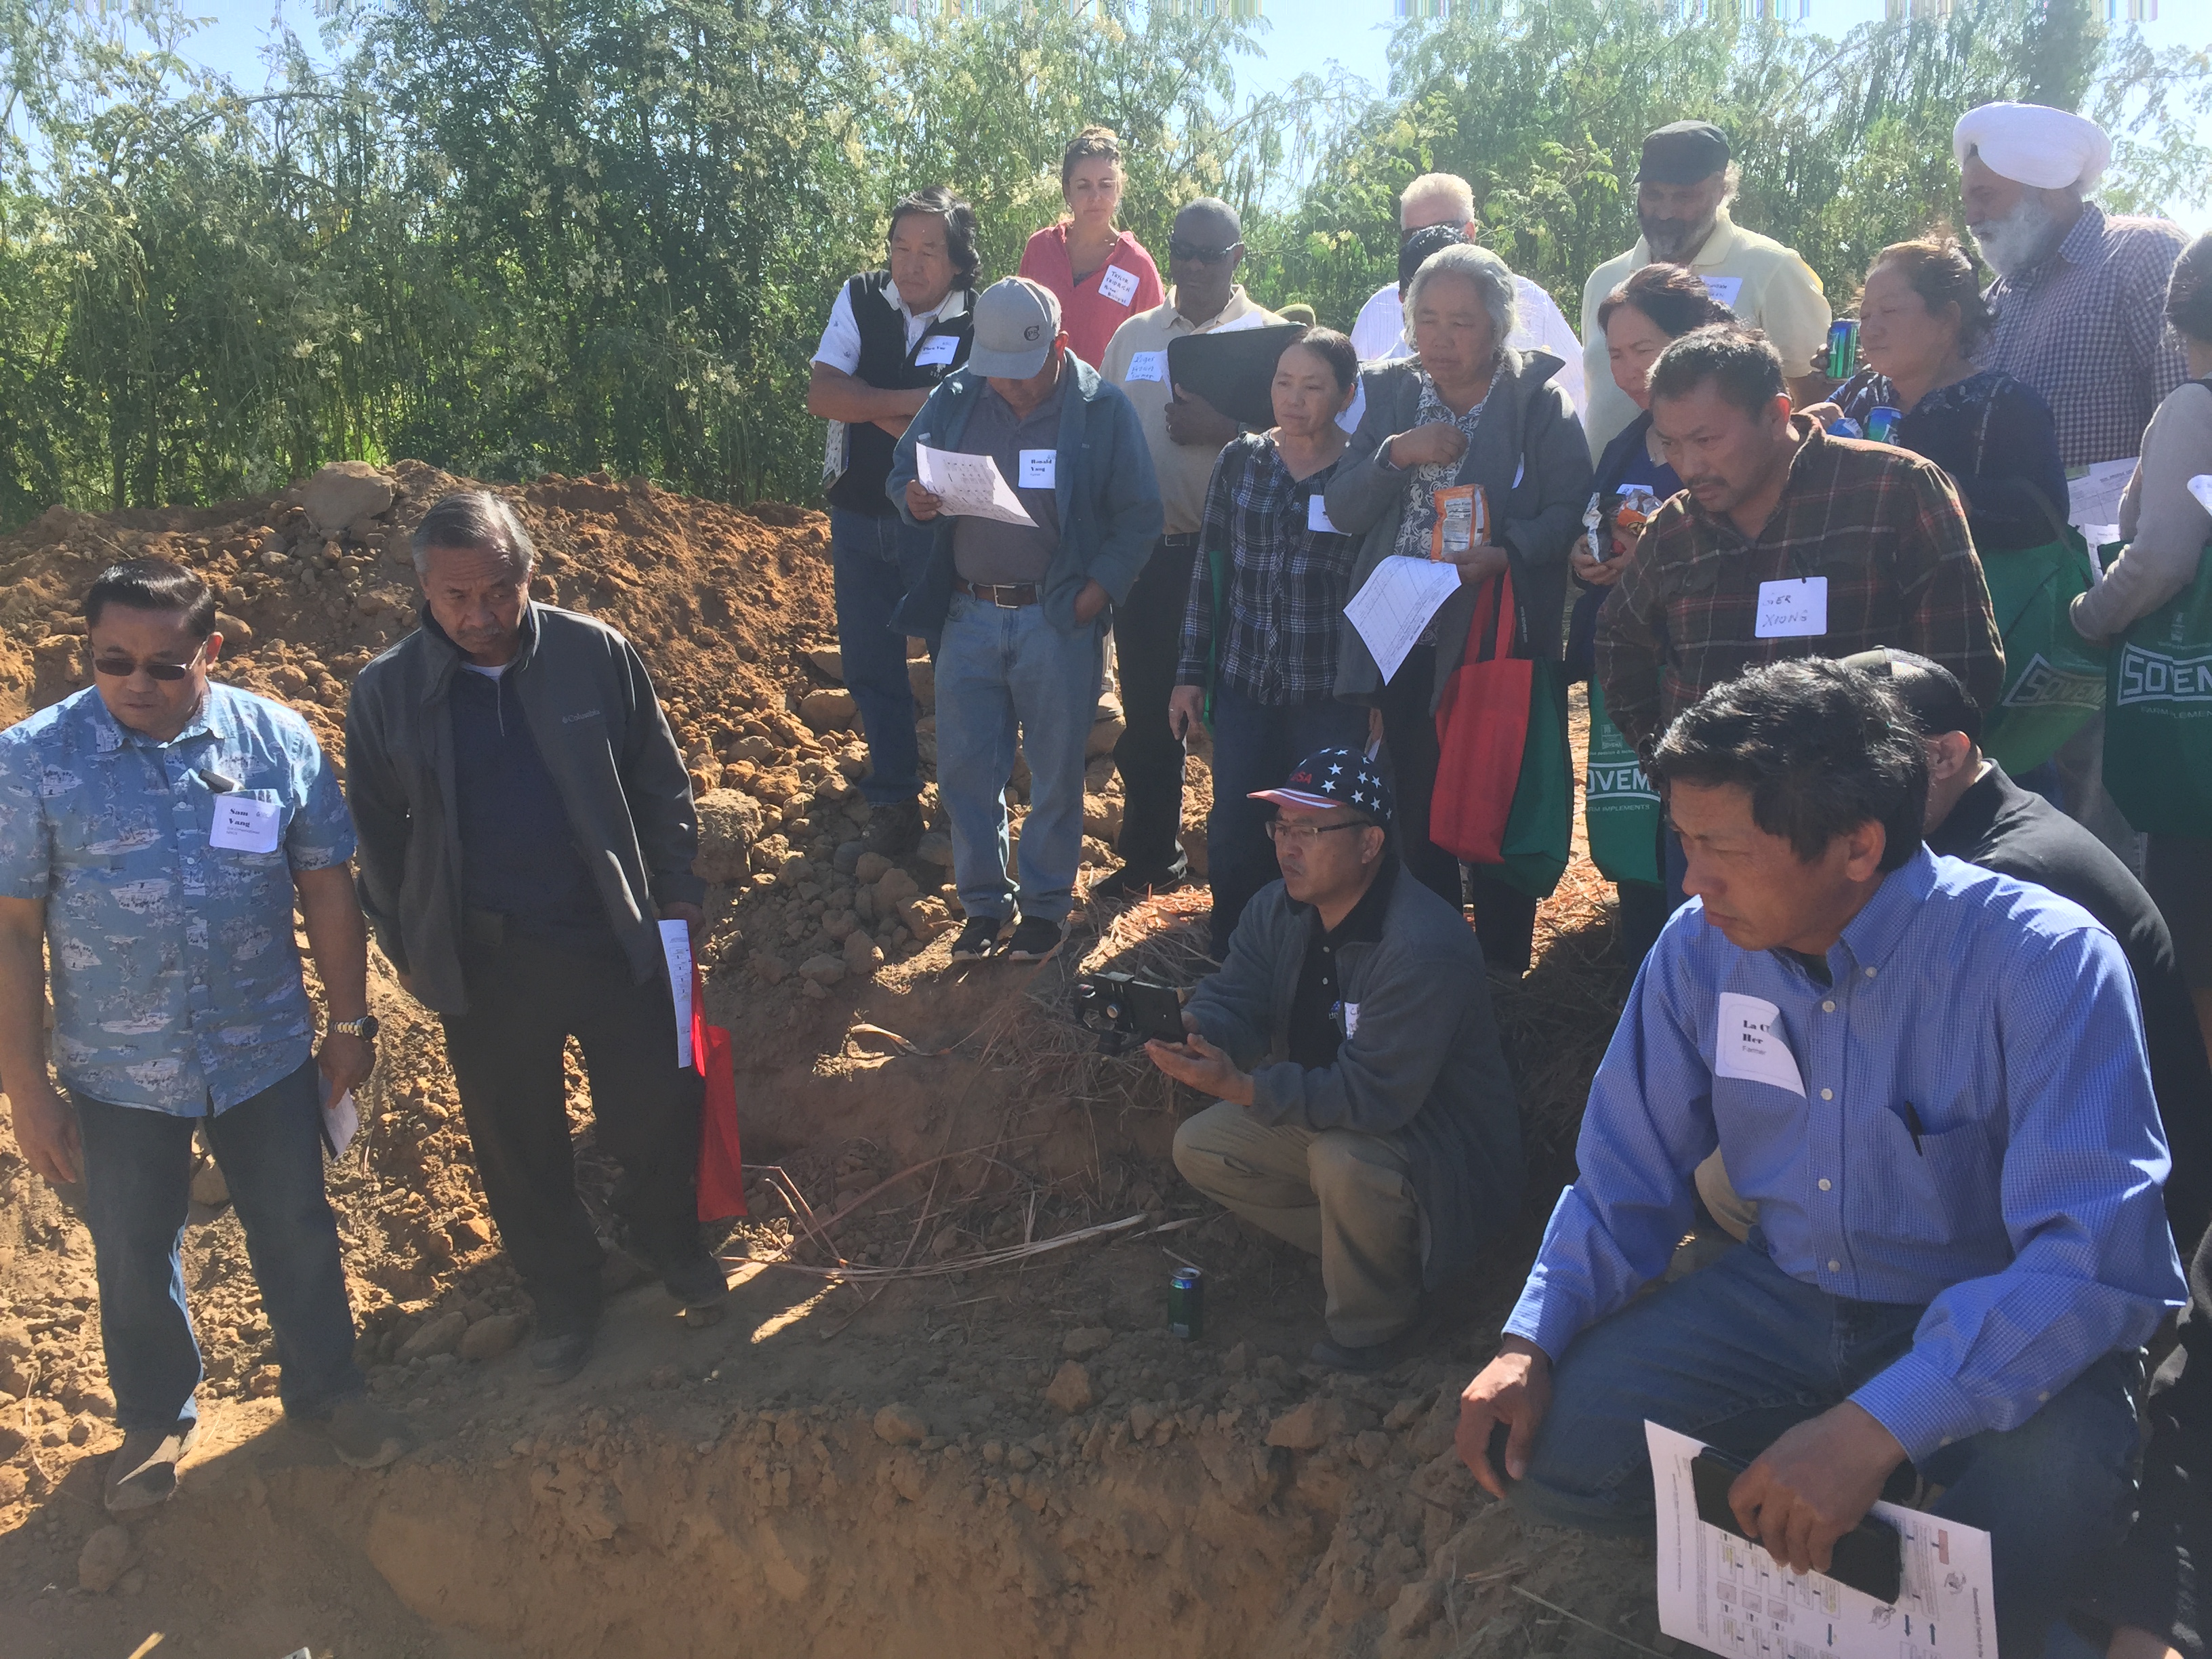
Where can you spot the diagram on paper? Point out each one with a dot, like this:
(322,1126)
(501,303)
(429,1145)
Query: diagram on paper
(1729,1596)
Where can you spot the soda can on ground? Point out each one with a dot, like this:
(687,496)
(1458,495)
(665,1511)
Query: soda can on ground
(1882,423)
(1186,1305)
(1842,349)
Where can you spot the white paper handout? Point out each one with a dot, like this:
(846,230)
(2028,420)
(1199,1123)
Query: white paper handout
(245,823)
(1118,285)
(675,946)
(2201,486)
(1394,604)
(2093,499)
(969,486)
(1720,1593)
(1747,1045)
(341,1121)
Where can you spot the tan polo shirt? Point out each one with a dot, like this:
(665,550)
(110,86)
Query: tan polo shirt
(1765,284)
(1184,469)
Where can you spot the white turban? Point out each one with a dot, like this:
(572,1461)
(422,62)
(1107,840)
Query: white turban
(2033,144)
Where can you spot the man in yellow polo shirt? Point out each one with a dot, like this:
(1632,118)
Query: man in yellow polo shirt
(1683,186)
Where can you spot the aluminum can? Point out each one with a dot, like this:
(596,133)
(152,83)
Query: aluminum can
(1842,349)
(1186,1305)
(1882,423)
(1844,426)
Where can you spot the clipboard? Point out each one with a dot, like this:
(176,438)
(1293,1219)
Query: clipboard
(1233,369)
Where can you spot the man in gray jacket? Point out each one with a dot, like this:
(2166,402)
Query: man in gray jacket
(1365,1110)
(525,824)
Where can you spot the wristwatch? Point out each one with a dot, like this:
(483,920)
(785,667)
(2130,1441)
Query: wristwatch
(365,1028)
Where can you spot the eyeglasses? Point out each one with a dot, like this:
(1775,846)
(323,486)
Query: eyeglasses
(1179,249)
(121,668)
(1286,834)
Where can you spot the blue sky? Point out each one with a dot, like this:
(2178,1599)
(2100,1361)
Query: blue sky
(1305,36)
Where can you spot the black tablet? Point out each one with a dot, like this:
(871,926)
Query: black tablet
(1234,369)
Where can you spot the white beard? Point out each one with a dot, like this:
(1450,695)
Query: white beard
(2020,241)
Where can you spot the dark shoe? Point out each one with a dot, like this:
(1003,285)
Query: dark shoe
(1035,938)
(366,1437)
(697,1282)
(1133,882)
(893,830)
(556,1358)
(1376,1357)
(978,940)
(144,1473)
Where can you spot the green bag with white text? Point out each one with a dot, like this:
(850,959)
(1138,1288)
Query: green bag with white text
(1620,808)
(2157,714)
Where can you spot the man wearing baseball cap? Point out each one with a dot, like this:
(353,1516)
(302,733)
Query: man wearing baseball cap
(1684,185)
(1018,610)
(1364,1109)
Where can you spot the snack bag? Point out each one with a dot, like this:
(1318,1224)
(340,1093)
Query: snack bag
(1463,520)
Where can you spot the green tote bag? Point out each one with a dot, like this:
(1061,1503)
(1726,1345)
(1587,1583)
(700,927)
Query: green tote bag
(2157,714)
(1620,808)
(2054,678)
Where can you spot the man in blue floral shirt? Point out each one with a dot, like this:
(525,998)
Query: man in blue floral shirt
(154,832)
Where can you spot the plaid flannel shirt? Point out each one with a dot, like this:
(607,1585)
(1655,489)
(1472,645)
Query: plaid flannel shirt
(2087,329)
(1884,526)
(1286,581)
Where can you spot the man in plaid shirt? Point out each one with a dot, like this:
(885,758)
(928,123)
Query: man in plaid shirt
(1784,543)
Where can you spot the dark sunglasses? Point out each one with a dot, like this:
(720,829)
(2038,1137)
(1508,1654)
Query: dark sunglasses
(123,668)
(1179,249)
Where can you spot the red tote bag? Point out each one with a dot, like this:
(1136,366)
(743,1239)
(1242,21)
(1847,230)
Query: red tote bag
(722,1164)
(1482,727)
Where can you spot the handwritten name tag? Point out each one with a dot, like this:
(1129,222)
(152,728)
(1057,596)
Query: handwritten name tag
(1039,471)
(1749,1044)
(1148,365)
(243,824)
(1317,515)
(1118,285)
(1794,609)
(1724,289)
(936,351)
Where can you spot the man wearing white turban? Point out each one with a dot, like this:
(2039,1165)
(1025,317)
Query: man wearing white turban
(2079,294)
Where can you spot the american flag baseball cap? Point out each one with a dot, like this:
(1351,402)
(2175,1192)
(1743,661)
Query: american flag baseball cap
(1334,777)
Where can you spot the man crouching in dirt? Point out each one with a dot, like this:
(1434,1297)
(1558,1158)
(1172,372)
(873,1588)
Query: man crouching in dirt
(1931,1079)
(1365,1113)
(525,822)
(154,831)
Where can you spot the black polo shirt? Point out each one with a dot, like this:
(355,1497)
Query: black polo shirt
(1317,1016)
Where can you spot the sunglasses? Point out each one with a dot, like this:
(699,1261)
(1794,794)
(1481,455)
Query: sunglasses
(121,668)
(1203,255)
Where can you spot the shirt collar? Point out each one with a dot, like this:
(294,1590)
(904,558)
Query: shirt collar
(1719,244)
(1238,306)
(1871,937)
(2086,239)
(1363,923)
(528,648)
(110,734)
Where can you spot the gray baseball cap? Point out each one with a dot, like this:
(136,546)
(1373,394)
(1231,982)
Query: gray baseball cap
(1016,322)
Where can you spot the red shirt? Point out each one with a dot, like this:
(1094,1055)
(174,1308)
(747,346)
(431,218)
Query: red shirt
(1088,314)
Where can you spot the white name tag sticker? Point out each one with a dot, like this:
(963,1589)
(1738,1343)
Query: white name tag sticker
(937,350)
(243,824)
(1148,365)
(1351,1021)
(1749,1044)
(1118,285)
(1038,469)
(1794,609)
(1317,515)
(1724,289)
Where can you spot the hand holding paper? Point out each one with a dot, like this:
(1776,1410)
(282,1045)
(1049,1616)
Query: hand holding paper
(1395,604)
(969,486)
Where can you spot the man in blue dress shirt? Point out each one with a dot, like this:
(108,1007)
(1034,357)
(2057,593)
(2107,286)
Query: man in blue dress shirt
(1932,1080)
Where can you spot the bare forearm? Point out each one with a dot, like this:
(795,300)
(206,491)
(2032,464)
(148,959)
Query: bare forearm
(337,938)
(22,1006)
(834,395)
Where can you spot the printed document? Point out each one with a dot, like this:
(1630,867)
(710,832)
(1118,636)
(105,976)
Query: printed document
(1395,603)
(1728,1596)
(675,946)
(969,486)
(2093,498)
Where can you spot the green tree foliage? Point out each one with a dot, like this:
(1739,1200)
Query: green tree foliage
(518,235)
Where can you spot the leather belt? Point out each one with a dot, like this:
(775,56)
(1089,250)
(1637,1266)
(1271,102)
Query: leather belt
(1007,596)
(1185,538)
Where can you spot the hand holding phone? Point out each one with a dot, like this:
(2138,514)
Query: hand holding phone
(1806,1523)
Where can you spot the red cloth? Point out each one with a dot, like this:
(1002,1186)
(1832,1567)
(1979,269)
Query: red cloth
(722,1164)
(1482,727)
(1089,316)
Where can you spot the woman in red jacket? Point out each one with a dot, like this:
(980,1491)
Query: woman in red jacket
(1100,273)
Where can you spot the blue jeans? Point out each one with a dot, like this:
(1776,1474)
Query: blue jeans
(1000,671)
(874,562)
(137,1177)
(1739,1352)
(1255,744)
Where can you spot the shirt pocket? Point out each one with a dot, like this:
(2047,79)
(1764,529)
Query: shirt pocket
(1945,1193)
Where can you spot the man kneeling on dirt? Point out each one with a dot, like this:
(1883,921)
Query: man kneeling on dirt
(525,822)
(1931,1079)
(1365,1113)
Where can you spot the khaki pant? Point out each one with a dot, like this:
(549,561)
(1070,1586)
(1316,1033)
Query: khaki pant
(1341,1196)
(1736,1215)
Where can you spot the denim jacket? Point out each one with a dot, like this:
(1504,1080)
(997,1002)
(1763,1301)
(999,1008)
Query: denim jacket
(1110,501)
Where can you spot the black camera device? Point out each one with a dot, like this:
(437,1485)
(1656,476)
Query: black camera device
(1122,1008)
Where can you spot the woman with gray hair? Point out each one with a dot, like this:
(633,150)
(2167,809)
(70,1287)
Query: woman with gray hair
(1467,410)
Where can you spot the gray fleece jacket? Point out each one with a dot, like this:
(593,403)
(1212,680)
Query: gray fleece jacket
(1423,1069)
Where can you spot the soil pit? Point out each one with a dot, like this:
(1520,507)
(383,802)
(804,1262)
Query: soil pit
(904,1438)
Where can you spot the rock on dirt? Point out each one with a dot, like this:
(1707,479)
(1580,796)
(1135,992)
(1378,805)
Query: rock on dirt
(492,1336)
(106,1555)
(822,969)
(899,1425)
(870,868)
(1309,1426)
(440,1335)
(1070,1390)
(892,886)
(831,709)
(343,494)
(1082,1343)
(863,956)
(729,824)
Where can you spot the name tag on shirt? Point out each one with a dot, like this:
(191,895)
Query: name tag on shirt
(1148,365)
(1793,610)
(1118,285)
(1724,289)
(1038,469)
(937,350)
(1350,1020)
(244,824)
(1317,515)
(1749,1046)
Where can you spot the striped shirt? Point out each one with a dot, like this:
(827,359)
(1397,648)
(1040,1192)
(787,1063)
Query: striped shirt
(2087,329)
(1962,1118)
(1883,526)
(1286,581)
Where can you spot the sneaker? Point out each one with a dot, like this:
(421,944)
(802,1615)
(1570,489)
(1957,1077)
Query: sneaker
(1133,882)
(1035,938)
(978,940)
(366,1437)
(144,1473)
(894,829)
(697,1282)
(554,1359)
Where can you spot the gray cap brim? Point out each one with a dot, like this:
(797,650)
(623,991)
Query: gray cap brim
(1009,365)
